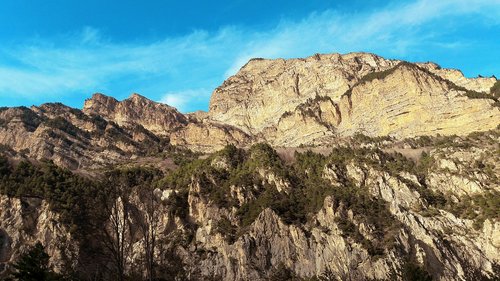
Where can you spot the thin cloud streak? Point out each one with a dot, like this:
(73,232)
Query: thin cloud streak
(183,65)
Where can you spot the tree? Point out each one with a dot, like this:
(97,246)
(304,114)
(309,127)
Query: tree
(148,226)
(116,233)
(34,266)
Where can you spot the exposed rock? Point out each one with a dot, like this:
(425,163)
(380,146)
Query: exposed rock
(360,213)
(263,90)
(156,117)
(23,222)
(425,105)
(308,101)
(208,136)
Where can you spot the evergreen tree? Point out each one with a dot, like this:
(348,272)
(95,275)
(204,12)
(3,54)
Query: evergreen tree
(34,266)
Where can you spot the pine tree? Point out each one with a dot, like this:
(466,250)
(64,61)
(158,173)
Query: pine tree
(34,266)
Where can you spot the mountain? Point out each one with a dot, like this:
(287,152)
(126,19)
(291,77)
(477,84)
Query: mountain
(302,101)
(155,117)
(332,167)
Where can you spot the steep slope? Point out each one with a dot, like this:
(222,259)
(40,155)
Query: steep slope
(355,213)
(71,138)
(479,84)
(263,90)
(156,117)
(404,183)
(409,101)
(313,100)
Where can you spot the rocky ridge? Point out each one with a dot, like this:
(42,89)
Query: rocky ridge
(403,184)
(286,103)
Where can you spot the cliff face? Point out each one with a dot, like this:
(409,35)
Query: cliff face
(307,101)
(263,90)
(72,138)
(403,184)
(447,244)
(23,222)
(156,117)
(356,213)
(425,105)
(287,103)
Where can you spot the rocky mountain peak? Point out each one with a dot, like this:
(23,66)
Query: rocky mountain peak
(156,117)
(334,94)
(138,99)
(348,167)
(100,103)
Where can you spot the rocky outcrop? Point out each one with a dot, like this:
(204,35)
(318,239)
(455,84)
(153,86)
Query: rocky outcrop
(263,90)
(307,101)
(156,117)
(449,247)
(231,219)
(287,103)
(479,84)
(425,105)
(361,212)
(25,221)
(209,136)
(72,138)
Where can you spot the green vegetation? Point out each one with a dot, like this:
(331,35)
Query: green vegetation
(479,95)
(226,228)
(414,272)
(380,75)
(180,156)
(29,119)
(477,207)
(306,196)
(66,193)
(33,265)
(362,138)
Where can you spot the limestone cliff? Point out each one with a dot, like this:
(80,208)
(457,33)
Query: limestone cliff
(354,213)
(71,138)
(307,101)
(425,105)
(263,90)
(403,184)
(156,117)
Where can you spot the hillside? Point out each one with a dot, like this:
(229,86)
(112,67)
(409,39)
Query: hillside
(331,167)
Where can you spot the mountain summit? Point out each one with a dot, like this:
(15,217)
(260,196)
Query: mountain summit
(287,103)
(332,167)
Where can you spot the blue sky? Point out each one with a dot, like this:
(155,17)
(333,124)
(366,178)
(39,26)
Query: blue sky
(178,52)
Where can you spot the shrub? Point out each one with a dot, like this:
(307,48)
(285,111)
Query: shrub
(495,89)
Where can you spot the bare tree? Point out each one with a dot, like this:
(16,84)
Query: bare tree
(116,231)
(149,228)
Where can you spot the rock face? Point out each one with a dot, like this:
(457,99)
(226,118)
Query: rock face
(263,90)
(447,245)
(354,210)
(425,105)
(70,137)
(306,101)
(287,103)
(156,117)
(208,136)
(25,221)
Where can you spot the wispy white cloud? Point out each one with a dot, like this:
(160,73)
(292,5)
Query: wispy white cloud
(186,67)
(187,99)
